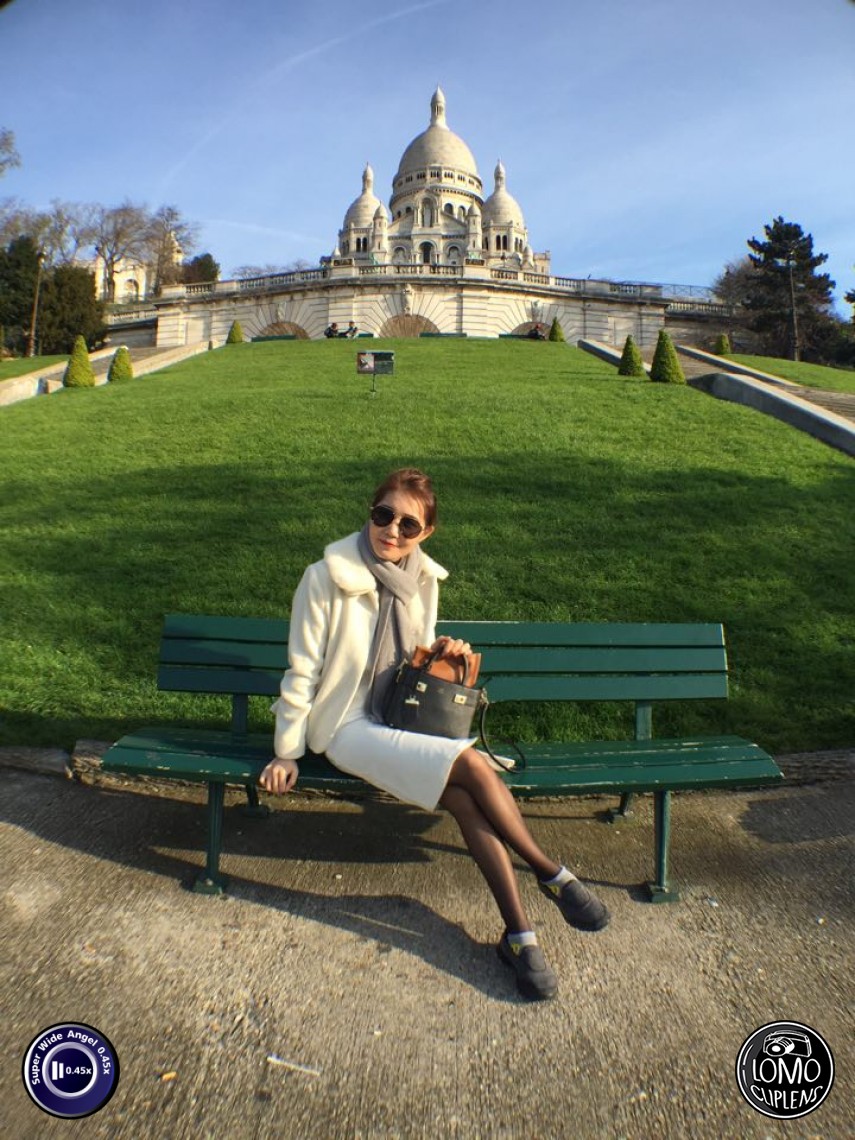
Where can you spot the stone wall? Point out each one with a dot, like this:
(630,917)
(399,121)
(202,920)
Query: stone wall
(477,304)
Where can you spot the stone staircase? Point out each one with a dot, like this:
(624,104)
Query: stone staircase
(138,356)
(842,403)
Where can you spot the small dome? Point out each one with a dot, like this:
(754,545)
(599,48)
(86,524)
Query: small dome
(502,208)
(380,214)
(361,212)
(437,146)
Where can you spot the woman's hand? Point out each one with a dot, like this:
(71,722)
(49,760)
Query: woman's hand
(449,647)
(279,776)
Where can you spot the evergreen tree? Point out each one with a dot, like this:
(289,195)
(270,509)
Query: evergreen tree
(666,367)
(235,334)
(121,367)
(722,345)
(78,373)
(69,309)
(789,303)
(19,270)
(556,332)
(200,270)
(631,363)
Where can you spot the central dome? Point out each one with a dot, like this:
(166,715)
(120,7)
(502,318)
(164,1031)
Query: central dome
(437,146)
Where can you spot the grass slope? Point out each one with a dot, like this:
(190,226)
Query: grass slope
(565,493)
(22,366)
(811,375)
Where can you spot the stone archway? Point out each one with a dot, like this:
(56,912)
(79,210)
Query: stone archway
(284,328)
(407,325)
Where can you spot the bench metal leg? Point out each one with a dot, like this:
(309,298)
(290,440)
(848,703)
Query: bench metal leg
(252,807)
(210,881)
(660,890)
(624,811)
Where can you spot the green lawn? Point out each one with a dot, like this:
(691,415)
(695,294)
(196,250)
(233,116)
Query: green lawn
(9,369)
(812,375)
(566,492)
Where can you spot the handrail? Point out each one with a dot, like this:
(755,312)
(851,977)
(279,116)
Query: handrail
(472,267)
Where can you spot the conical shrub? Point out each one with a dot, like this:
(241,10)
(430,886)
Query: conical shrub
(556,332)
(666,367)
(722,346)
(631,363)
(78,372)
(121,367)
(235,334)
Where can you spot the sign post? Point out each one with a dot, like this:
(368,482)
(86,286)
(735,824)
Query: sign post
(375,364)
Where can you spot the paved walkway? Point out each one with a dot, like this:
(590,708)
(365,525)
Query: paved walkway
(843,403)
(348,986)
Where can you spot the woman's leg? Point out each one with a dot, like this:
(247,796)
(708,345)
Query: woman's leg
(489,852)
(473,774)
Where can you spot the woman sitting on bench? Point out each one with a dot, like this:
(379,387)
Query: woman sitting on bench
(356,614)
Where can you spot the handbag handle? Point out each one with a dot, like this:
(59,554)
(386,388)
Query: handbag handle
(482,728)
(467,666)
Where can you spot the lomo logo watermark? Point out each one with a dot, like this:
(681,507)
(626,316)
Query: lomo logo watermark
(785,1069)
(70,1070)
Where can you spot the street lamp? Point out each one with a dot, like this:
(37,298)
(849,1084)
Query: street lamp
(790,261)
(793,306)
(31,338)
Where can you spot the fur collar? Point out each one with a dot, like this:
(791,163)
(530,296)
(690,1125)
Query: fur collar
(350,573)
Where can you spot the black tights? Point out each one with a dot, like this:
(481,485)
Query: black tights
(490,822)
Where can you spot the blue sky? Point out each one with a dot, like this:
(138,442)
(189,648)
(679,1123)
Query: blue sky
(644,141)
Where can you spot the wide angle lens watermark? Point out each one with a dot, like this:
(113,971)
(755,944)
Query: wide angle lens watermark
(785,1069)
(70,1070)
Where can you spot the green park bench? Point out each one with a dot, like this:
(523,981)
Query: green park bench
(522,661)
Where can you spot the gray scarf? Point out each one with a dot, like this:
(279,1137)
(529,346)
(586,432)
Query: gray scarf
(394,637)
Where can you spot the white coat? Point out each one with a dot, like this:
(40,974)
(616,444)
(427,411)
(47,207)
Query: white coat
(333,618)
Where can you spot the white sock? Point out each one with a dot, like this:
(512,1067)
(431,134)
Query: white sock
(557,882)
(522,938)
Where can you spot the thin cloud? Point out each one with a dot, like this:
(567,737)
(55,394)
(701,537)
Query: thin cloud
(289,64)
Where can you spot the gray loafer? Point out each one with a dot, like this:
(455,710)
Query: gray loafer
(580,907)
(535,980)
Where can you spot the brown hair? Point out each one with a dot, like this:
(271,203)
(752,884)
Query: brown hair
(414,483)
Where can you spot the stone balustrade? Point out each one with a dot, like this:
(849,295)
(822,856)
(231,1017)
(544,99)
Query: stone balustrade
(695,297)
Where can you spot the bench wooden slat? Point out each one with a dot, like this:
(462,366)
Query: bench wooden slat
(226,628)
(558,780)
(255,682)
(662,750)
(240,654)
(513,633)
(663,687)
(205,755)
(581,659)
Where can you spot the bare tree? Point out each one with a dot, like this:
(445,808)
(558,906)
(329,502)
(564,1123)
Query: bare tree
(9,156)
(734,283)
(170,238)
(70,227)
(17,220)
(120,232)
(243,272)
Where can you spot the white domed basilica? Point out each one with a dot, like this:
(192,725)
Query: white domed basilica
(440,260)
(438,212)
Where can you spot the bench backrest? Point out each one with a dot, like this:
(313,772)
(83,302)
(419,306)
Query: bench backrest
(522,661)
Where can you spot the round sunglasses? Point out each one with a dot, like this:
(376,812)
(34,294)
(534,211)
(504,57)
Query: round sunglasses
(407,525)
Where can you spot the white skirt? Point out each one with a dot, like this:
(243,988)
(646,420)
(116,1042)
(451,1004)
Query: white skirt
(410,766)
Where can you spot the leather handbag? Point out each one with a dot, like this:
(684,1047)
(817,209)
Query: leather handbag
(437,697)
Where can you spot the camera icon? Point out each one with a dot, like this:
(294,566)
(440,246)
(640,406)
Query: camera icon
(787,1045)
